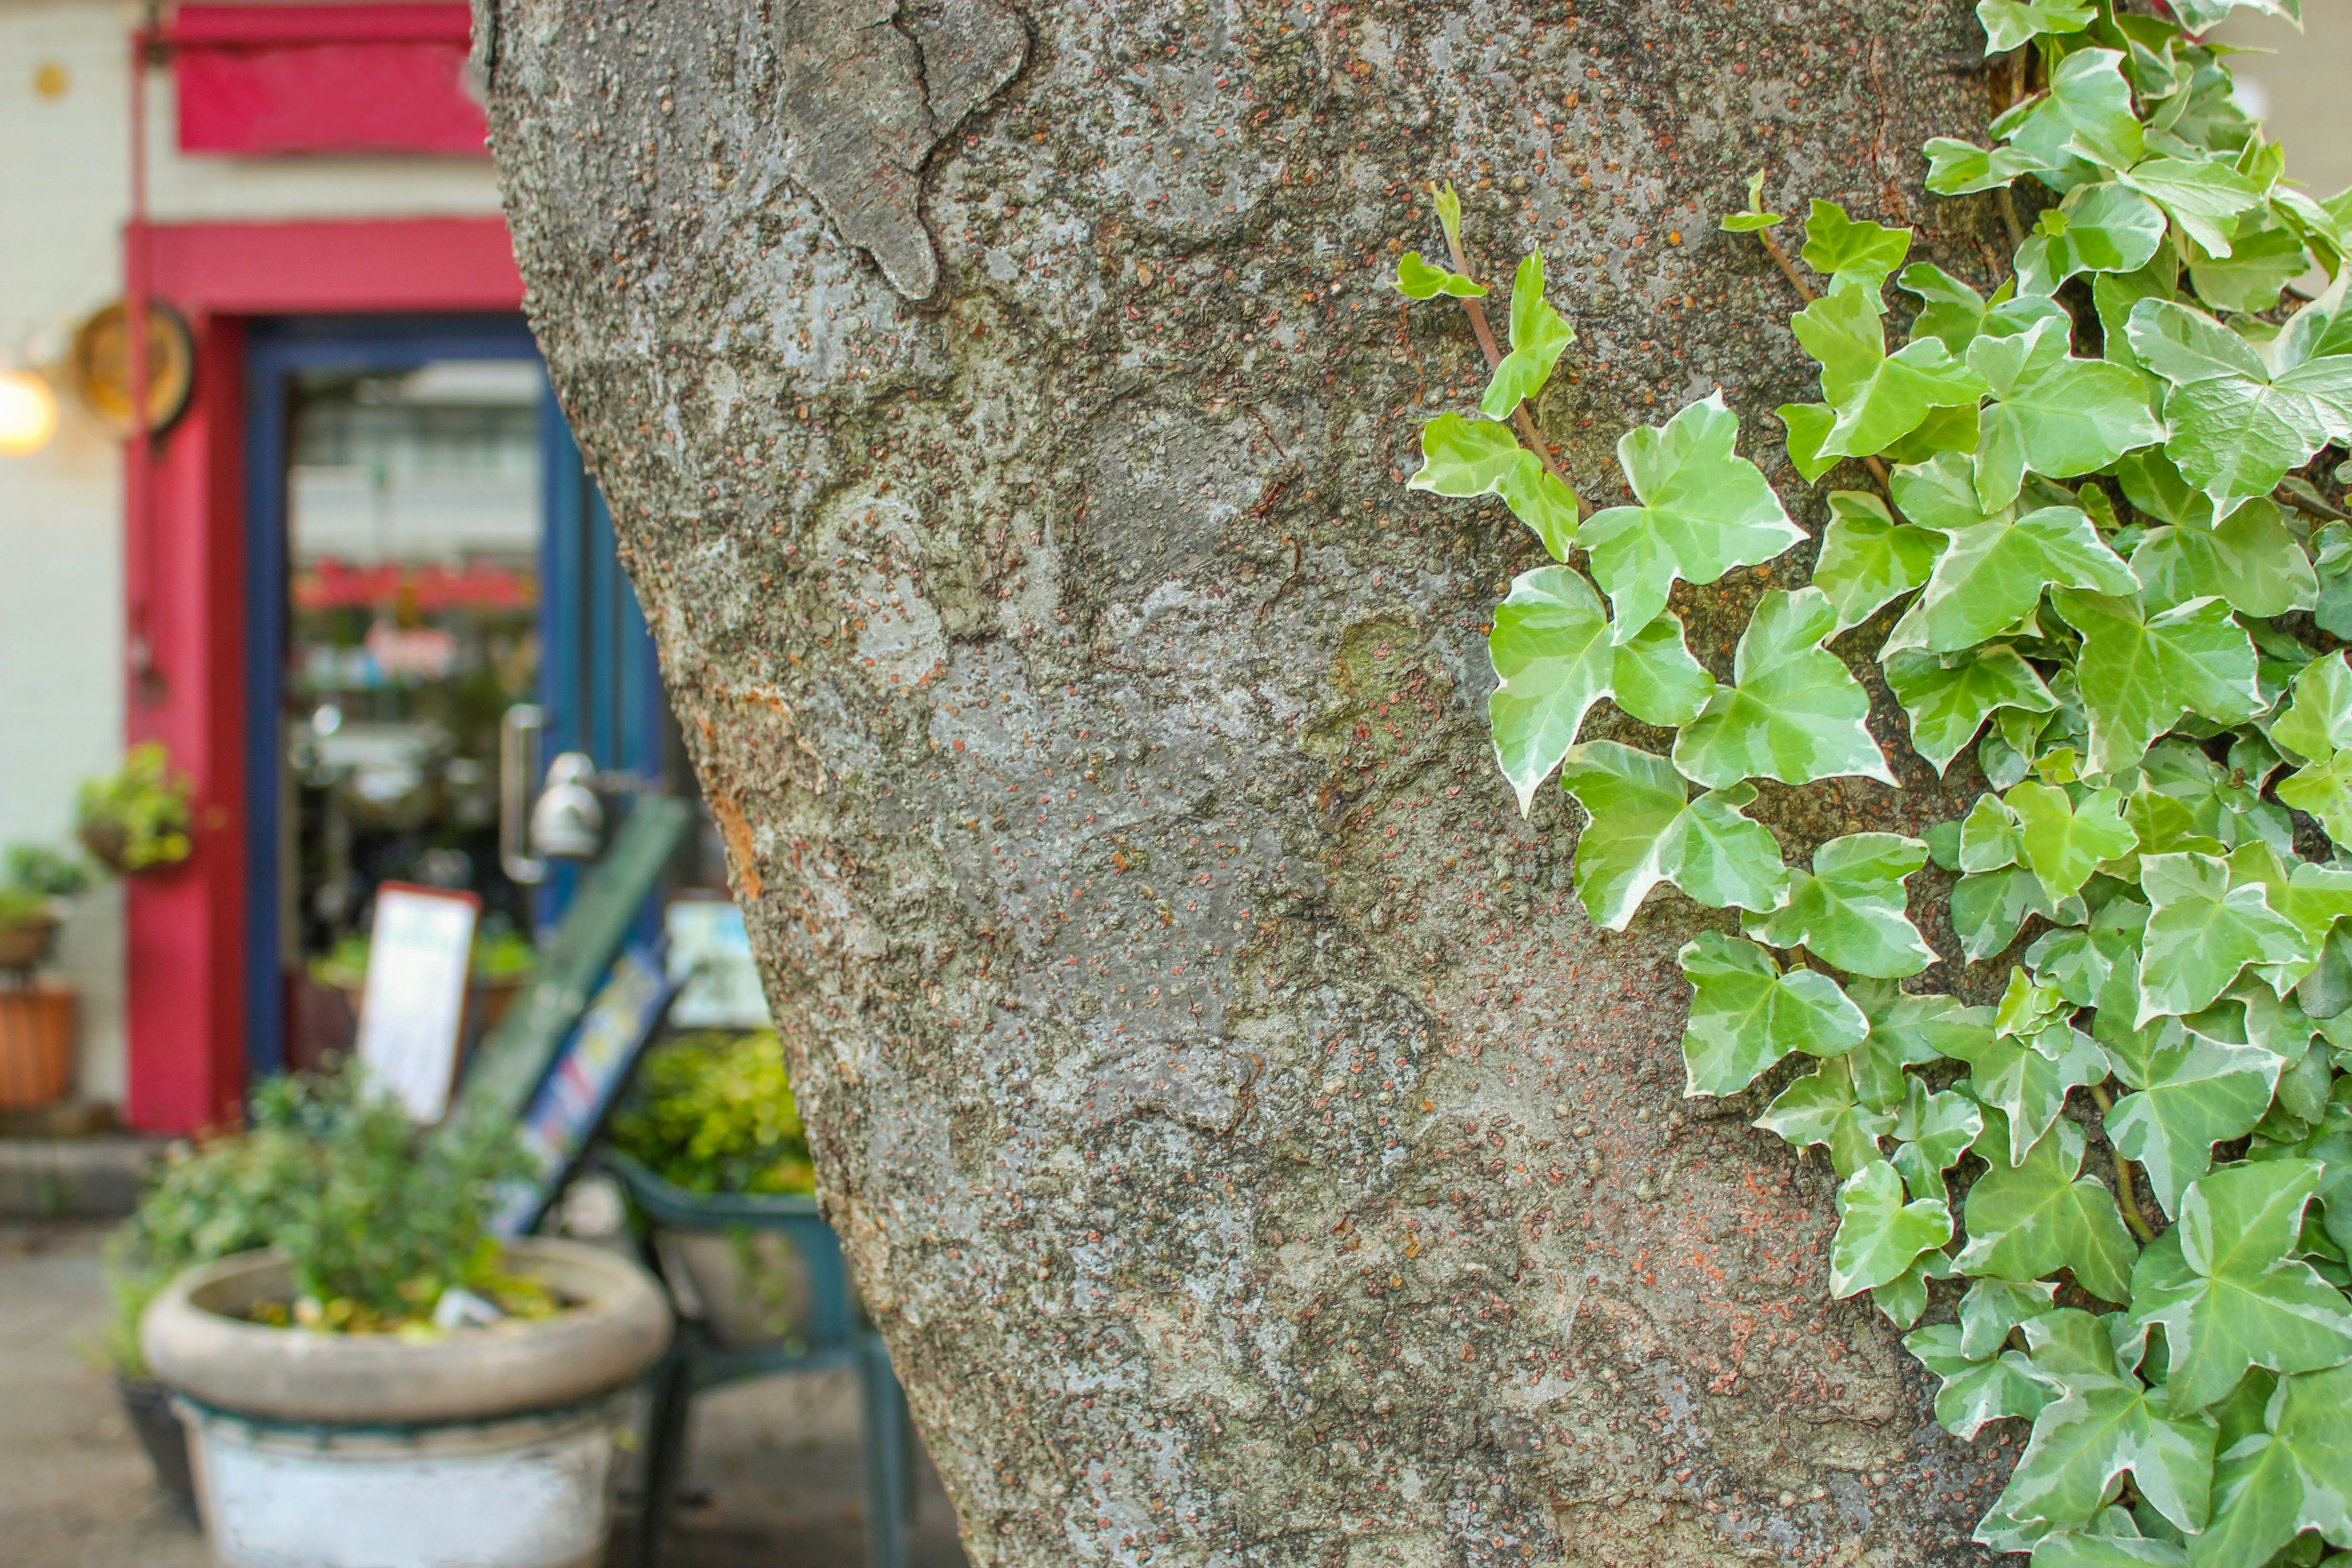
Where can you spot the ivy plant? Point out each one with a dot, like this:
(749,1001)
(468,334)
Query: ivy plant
(2079,522)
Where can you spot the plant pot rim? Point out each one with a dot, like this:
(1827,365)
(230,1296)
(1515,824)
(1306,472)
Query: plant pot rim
(193,1345)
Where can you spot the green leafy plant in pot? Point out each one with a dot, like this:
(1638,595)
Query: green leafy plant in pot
(37,1016)
(136,819)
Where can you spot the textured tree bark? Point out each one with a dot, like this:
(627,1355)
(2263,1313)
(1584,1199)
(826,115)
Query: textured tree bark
(1250,1153)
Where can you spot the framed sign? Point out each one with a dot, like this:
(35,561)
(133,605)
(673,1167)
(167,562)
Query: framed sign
(420,958)
(588,1076)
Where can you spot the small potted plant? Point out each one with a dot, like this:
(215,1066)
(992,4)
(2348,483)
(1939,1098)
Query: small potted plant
(707,1139)
(387,1382)
(136,819)
(37,1016)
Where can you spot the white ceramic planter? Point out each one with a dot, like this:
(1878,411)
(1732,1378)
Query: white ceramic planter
(489,1448)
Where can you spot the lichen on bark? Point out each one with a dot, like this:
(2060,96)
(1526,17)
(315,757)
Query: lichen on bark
(1250,1152)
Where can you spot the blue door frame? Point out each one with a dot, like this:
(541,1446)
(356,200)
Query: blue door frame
(598,680)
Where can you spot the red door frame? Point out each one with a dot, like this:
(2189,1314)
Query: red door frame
(184,961)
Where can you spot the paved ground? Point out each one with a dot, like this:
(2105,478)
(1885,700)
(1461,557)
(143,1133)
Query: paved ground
(773,1479)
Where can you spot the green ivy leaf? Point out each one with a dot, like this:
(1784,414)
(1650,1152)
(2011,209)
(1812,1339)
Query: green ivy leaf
(1878,397)
(2318,721)
(2206,199)
(1852,254)
(1539,335)
(1949,695)
(1481,456)
(1879,1232)
(2034,1217)
(1956,168)
(1807,425)
(2090,106)
(2266,256)
(1994,571)
(1755,218)
(1867,558)
(1821,1107)
(1849,908)
(1704,510)
(2237,425)
(2026,1079)
(1934,1131)
(2295,1475)
(1644,829)
(2140,672)
(1949,310)
(2103,1425)
(2064,842)
(2223,1286)
(2202,931)
(2250,559)
(2056,414)
(1553,661)
(1417,280)
(1794,713)
(2189,1094)
(2008,23)
(2102,227)
(1746,1015)
(1976,1389)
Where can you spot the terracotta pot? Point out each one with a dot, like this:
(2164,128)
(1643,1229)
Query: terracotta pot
(36,1039)
(25,943)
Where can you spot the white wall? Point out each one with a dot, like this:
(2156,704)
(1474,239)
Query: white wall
(64,194)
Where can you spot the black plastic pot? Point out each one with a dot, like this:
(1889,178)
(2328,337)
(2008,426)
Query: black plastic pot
(148,1404)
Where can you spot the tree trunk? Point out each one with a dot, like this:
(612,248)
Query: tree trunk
(1251,1153)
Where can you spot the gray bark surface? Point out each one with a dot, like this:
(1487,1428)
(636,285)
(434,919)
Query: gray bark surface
(1250,1152)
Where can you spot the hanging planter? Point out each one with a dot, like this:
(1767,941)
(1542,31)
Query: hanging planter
(136,819)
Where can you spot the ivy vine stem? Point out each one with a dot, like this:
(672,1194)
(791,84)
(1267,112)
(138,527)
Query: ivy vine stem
(2126,1195)
(1521,420)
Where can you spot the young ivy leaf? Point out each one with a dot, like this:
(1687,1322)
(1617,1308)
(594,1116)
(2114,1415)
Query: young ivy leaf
(1746,1015)
(1553,661)
(2188,1093)
(2292,1474)
(2249,559)
(2054,414)
(2027,1078)
(1755,218)
(1481,456)
(1704,510)
(1796,712)
(2008,23)
(2238,426)
(1993,572)
(2036,1216)
(1852,254)
(1878,398)
(1417,280)
(1645,829)
(1822,1108)
(1904,1298)
(1848,909)
(1867,558)
(2229,1293)
(1539,335)
(2139,673)
(2062,841)
(1449,210)
(1934,1131)
(1879,1235)
(1949,695)
(2202,931)
(2104,1424)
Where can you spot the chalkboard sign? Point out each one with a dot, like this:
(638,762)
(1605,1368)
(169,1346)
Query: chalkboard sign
(420,956)
(588,1075)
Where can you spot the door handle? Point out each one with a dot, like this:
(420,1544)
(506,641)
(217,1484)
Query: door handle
(521,730)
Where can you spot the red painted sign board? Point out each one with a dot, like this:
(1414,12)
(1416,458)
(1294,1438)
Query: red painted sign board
(264,79)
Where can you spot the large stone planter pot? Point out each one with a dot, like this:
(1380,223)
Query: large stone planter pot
(490,1447)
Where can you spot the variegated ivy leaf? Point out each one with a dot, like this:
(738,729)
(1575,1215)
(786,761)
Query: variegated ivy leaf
(2229,1292)
(2206,199)
(1481,456)
(2139,672)
(1867,558)
(2239,423)
(2196,16)
(1949,696)
(1976,1389)
(1822,1108)
(1850,253)
(1848,911)
(1949,310)
(1878,398)
(1746,1015)
(2201,931)
(1934,1131)
(2266,256)
(1991,836)
(2028,1003)
(2054,414)
(2251,560)
(2008,23)
(1988,910)
(1956,168)
(2189,1094)
(1904,1298)
(1704,510)
(2081,962)
(1995,570)
(1794,713)
(2104,1423)
(1417,280)
(2317,727)
(2292,1473)
(2099,228)
(1879,1235)
(1539,335)
(1993,1308)
(2064,838)
(1553,661)
(2027,1079)
(1645,829)
(2083,123)
(2038,1216)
